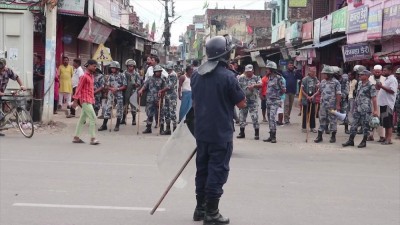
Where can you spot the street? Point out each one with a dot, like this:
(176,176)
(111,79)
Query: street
(47,180)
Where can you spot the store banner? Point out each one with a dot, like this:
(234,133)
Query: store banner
(339,20)
(94,32)
(317,30)
(297,3)
(288,37)
(115,14)
(90,8)
(391,20)
(102,10)
(295,29)
(356,52)
(326,25)
(358,20)
(307,32)
(139,45)
(75,7)
(375,23)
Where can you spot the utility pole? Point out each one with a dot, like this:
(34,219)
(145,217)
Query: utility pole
(50,63)
(166,33)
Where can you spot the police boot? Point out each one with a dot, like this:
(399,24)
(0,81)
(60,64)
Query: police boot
(256,134)
(104,126)
(273,137)
(200,209)
(346,128)
(148,129)
(167,130)
(241,134)
(133,119)
(333,137)
(212,215)
(162,131)
(123,121)
(319,137)
(268,139)
(350,142)
(117,124)
(363,143)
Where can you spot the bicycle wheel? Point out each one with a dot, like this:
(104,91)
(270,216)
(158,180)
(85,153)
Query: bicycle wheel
(25,123)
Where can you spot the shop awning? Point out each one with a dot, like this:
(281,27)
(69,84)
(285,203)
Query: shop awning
(323,44)
(387,57)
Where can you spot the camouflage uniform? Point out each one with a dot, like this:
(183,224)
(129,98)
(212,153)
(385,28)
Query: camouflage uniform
(98,83)
(116,81)
(132,80)
(251,100)
(362,107)
(329,89)
(171,99)
(345,88)
(153,85)
(274,93)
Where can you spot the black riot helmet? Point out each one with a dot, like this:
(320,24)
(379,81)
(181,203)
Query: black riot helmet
(219,47)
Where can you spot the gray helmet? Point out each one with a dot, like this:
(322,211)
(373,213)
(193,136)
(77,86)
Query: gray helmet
(114,64)
(157,68)
(359,68)
(218,47)
(328,70)
(398,71)
(337,70)
(374,122)
(169,66)
(3,62)
(271,65)
(130,62)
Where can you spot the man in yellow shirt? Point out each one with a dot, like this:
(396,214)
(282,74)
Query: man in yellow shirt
(66,71)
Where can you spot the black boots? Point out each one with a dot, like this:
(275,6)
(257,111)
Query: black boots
(167,130)
(333,137)
(272,137)
(241,134)
(200,209)
(256,134)
(148,129)
(104,126)
(319,137)
(162,129)
(350,142)
(117,124)
(133,119)
(363,143)
(346,128)
(123,121)
(212,215)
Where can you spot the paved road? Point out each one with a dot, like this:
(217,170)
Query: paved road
(47,180)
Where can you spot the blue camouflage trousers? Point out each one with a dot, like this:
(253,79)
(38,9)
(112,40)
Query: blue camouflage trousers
(360,119)
(326,118)
(169,110)
(253,110)
(119,106)
(272,109)
(152,110)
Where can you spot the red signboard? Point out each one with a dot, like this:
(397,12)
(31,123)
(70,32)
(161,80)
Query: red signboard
(308,31)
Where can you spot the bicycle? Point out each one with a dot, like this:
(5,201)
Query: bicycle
(15,113)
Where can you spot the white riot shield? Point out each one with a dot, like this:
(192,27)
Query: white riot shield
(175,152)
(133,100)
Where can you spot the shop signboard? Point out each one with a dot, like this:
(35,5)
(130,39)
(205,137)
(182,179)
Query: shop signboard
(317,30)
(358,20)
(297,3)
(115,14)
(94,32)
(139,45)
(356,52)
(374,23)
(326,25)
(307,32)
(391,20)
(102,10)
(339,20)
(75,7)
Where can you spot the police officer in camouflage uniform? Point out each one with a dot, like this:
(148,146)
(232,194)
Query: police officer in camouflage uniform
(250,84)
(331,96)
(343,78)
(171,99)
(116,84)
(363,109)
(156,87)
(275,89)
(133,82)
(98,88)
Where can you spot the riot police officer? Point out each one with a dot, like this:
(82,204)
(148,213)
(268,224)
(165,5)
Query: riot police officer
(215,92)
(133,82)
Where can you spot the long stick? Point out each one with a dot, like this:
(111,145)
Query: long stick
(138,117)
(159,114)
(308,116)
(112,110)
(173,182)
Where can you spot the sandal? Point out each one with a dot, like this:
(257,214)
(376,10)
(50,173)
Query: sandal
(94,142)
(77,141)
(386,143)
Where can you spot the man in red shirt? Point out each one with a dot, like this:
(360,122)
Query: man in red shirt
(85,95)
(263,96)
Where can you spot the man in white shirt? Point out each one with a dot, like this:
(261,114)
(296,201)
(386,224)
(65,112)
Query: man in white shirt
(154,60)
(375,78)
(78,72)
(386,100)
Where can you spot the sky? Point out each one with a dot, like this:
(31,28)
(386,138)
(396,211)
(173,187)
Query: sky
(150,11)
